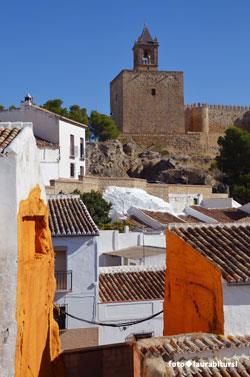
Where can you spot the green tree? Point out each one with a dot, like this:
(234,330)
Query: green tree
(78,114)
(12,107)
(2,107)
(103,127)
(55,106)
(75,112)
(234,162)
(97,206)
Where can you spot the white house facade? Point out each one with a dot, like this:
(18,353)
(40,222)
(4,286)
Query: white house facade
(65,136)
(19,175)
(130,294)
(131,248)
(74,237)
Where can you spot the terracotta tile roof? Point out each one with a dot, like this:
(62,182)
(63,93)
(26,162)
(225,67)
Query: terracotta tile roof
(222,215)
(7,135)
(42,143)
(191,349)
(227,246)
(131,283)
(135,224)
(190,219)
(163,217)
(68,216)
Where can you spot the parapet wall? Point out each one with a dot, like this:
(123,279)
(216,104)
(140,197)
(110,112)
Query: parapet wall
(101,183)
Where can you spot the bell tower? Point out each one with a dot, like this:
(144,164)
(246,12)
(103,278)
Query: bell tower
(146,52)
(145,100)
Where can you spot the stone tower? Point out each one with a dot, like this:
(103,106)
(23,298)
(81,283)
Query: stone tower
(145,100)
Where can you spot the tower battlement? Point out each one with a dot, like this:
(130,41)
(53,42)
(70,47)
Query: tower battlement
(220,107)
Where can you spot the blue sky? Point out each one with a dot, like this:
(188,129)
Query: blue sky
(73,49)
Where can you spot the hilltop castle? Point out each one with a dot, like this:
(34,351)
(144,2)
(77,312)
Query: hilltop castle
(145,101)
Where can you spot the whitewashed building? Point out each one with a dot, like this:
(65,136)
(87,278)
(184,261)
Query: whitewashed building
(19,175)
(61,141)
(95,294)
(74,237)
(130,294)
(131,248)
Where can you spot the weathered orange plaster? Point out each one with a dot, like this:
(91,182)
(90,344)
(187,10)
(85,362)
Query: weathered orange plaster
(37,333)
(193,291)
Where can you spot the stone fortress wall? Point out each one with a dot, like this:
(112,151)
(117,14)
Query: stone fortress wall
(213,118)
(147,105)
(203,125)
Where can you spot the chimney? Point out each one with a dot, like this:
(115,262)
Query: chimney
(28,100)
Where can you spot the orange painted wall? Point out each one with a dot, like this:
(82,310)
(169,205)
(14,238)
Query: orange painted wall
(193,291)
(38,336)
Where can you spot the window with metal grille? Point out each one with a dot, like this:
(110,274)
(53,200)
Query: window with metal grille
(72,170)
(82,148)
(72,146)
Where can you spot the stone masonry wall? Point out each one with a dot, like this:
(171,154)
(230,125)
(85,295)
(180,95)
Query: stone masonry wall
(222,117)
(190,143)
(148,102)
(219,117)
(101,183)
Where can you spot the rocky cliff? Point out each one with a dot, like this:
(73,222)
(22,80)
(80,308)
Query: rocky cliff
(156,164)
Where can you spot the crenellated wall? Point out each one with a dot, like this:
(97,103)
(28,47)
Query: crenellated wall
(213,118)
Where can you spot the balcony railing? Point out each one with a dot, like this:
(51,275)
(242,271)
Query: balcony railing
(63,281)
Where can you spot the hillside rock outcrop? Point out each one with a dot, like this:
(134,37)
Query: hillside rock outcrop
(155,164)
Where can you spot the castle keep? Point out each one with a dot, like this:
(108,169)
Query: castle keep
(148,102)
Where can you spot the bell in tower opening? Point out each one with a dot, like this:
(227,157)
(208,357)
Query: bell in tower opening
(146,51)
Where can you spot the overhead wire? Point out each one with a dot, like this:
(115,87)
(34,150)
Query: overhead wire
(111,324)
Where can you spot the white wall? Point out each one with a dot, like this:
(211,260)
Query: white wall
(155,260)
(19,174)
(129,311)
(49,162)
(112,240)
(45,125)
(179,201)
(65,130)
(236,309)
(82,260)
(220,203)
(48,127)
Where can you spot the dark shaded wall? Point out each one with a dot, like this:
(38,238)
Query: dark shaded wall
(103,361)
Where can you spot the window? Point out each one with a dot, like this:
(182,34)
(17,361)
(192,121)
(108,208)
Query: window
(81,148)
(72,170)
(153,92)
(34,230)
(81,171)
(60,317)
(146,57)
(72,146)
